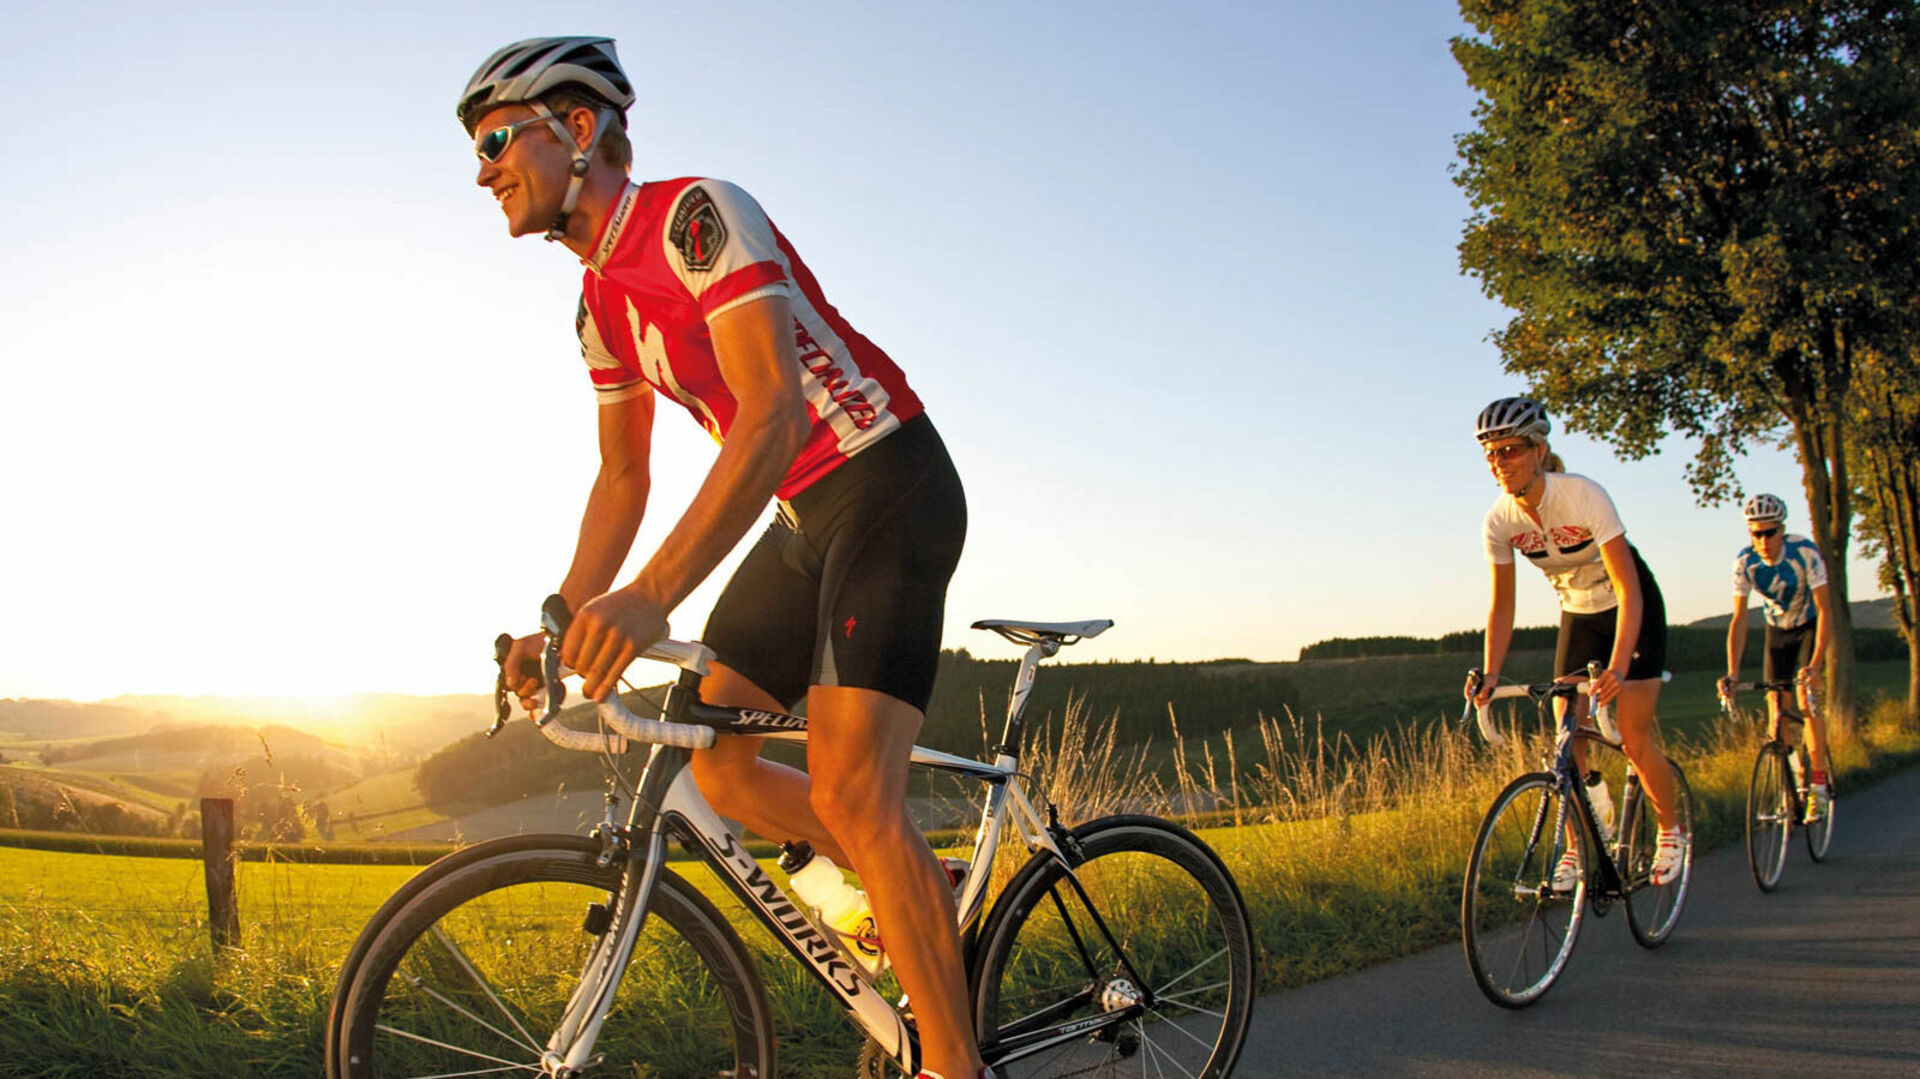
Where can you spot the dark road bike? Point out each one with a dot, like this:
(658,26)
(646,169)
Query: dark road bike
(1518,929)
(1777,796)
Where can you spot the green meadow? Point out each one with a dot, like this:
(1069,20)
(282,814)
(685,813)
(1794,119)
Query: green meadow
(1348,852)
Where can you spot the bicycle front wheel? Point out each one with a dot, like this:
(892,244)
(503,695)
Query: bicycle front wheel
(1769,816)
(1138,961)
(1517,930)
(1654,909)
(472,975)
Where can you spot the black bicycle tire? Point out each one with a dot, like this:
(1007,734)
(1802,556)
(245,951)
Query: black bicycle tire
(1654,936)
(556,859)
(1034,881)
(432,872)
(1768,784)
(1575,904)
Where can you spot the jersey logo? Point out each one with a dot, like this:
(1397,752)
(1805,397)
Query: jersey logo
(697,230)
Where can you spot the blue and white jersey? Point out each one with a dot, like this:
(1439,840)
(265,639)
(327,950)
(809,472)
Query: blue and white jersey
(1785,587)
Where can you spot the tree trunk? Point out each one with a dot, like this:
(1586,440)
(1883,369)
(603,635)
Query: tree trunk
(1823,470)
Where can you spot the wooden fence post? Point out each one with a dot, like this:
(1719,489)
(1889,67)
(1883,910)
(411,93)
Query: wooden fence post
(216,846)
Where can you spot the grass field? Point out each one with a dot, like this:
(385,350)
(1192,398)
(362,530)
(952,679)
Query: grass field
(1345,860)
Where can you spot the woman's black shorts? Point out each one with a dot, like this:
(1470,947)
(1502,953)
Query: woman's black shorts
(1788,650)
(1588,638)
(848,586)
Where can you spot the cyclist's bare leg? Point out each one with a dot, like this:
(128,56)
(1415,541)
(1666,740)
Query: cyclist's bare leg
(770,799)
(1816,732)
(1633,711)
(858,746)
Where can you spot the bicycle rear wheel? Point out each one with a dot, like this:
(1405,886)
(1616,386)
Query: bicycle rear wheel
(1654,909)
(1517,930)
(1820,831)
(471,974)
(1144,969)
(1769,816)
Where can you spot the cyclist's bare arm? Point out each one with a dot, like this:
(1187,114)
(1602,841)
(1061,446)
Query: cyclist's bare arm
(754,348)
(1736,640)
(1499,629)
(615,507)
(1626,586)
(1823,603)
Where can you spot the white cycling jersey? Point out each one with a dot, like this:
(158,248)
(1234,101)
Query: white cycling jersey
(1576,518)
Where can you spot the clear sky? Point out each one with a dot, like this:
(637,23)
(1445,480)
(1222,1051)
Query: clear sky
(287,412)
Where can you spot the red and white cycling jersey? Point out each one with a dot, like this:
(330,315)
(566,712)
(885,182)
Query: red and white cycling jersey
(677,253)
(1576,519)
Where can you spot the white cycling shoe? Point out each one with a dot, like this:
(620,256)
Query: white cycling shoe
(1670,858)
(1566,875)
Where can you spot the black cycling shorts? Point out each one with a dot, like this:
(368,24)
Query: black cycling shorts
(1588,638)
(848,586)
(1788,650)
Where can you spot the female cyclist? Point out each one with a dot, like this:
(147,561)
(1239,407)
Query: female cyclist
(1611,611)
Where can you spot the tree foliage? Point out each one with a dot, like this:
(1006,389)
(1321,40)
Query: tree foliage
(1704,216)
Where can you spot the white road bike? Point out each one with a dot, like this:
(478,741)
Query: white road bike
(1120,947)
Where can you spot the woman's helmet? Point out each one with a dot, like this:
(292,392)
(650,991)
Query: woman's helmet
(1512,417)
(521,72)
(526,69)
(1764,508)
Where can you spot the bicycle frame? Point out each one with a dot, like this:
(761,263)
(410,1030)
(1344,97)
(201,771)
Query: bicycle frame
(1606,879)
(668,804)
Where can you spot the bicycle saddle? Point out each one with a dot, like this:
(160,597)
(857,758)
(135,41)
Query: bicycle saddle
(1058,632)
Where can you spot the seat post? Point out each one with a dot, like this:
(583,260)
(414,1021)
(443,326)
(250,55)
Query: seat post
(1023,688)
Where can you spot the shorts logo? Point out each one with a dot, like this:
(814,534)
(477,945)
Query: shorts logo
(697,230)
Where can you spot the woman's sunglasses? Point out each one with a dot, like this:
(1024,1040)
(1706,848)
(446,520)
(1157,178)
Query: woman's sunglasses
(1507,452)
(1763,533)
(489,146)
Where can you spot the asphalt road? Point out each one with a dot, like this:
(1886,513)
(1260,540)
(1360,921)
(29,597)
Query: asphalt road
(1820,978)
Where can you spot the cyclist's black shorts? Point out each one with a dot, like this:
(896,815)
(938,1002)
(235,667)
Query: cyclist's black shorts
(1788,650)
(848,586)
(1588,638)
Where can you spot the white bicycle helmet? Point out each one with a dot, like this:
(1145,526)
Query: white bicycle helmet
(1512,417)
(526,69)
(521,72)
(1764,508)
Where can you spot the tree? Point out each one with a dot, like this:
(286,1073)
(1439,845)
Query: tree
(1887,463)
(1703,213)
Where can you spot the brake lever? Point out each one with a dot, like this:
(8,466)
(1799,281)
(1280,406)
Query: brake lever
(502,709)
(554,619)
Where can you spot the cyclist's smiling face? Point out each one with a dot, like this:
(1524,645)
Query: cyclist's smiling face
(1514,462)
(530,179)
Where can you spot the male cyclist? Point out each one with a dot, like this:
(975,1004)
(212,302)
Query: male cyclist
(1791,578)
(690,293)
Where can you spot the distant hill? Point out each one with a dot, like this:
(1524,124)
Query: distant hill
(401,724)
(1867,614)
(71,719)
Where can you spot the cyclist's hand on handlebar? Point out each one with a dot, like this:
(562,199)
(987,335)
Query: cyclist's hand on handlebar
(1482,695)
(608,631)
(523,670)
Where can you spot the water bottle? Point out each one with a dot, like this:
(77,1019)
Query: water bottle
(1602,804)
(843,908)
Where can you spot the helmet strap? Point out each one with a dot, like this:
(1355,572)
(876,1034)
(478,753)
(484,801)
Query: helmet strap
(582,161)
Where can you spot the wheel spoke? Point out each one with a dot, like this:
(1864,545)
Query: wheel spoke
(460,956)
(474,1053)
